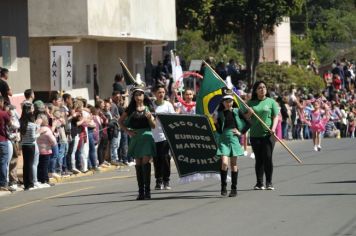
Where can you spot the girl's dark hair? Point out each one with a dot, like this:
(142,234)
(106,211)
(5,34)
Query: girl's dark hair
(26,117)
(118,77)
(254,89)
(132,105)
(98,103)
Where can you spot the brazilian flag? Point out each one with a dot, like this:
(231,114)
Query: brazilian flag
(210,95)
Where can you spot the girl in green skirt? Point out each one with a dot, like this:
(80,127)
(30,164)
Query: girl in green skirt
(137,121)
(230,125)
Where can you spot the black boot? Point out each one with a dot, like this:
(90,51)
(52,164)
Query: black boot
(147,180)
(139,176)
(223,177)
(233,192)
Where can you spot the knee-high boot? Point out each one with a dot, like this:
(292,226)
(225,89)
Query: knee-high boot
(147,180)
(223,177)
(140,182)
(233,192)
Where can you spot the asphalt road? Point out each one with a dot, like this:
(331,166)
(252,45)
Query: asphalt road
(315,198)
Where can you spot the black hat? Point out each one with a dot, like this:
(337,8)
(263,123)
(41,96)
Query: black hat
(228,94)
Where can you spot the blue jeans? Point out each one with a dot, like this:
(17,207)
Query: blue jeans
(62,153)
(114,146)
(306,132)
(53,159)
(285,129)
(123,147)
(92,150)
(4,153)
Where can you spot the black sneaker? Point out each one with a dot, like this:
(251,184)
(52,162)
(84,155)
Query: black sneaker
(233,193)
(158,186)
(259,187)
(269,187)
(166,186)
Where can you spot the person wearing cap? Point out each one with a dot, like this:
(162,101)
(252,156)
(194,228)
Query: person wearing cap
(262,140)
(230,125)
(5,90)
(137,121)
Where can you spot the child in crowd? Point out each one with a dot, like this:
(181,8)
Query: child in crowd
(45,142)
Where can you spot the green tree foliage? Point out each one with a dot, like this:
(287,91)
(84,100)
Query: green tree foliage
(330,26)
(302,49)
(191,45)
(284,76)
(248,18)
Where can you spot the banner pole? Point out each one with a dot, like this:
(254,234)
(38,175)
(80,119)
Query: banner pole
(258,118)
(127,70)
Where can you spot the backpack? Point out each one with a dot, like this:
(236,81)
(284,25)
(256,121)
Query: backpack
(113,129)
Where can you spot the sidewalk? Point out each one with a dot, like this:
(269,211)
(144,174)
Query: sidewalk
(63,178)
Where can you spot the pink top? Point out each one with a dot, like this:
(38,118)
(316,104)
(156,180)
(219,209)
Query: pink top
(46,140)
(318,122)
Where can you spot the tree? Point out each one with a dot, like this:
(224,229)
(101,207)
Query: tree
(329,26)
(249,18)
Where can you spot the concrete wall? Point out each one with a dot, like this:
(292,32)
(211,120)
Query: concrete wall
(57,18)
(124,19)
(13,22)
(85,53)
(40,61)
(108,55)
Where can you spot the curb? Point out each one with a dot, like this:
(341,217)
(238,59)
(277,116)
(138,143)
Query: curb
(72,177)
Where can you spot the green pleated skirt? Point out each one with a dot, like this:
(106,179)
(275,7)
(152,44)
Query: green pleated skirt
(142,144)
(229,144)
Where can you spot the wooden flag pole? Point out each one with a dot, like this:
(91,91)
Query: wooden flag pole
(258,118)
(127,70)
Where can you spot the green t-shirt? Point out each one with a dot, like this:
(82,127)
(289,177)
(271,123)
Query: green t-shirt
(266,109)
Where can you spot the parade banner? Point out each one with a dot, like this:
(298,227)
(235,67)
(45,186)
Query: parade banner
(192,143)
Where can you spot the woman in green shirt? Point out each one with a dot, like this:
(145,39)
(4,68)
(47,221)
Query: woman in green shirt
(262,141)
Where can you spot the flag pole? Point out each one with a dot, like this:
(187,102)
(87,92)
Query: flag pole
(127,70)
(258,118)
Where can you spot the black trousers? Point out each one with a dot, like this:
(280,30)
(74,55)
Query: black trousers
(102,147)
(162,162)
(42,169)
(28,152)
(263,149)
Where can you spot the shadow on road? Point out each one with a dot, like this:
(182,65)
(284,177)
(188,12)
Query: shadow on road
(318,194)
(340,182)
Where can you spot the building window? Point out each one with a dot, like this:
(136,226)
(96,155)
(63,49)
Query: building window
(88,74)
(9,52)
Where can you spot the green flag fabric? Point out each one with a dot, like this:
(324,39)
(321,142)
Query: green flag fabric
(210,94)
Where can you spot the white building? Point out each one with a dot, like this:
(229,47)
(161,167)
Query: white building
(100,32)
(277,47)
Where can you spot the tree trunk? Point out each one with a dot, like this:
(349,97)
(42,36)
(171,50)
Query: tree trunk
(253,44)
